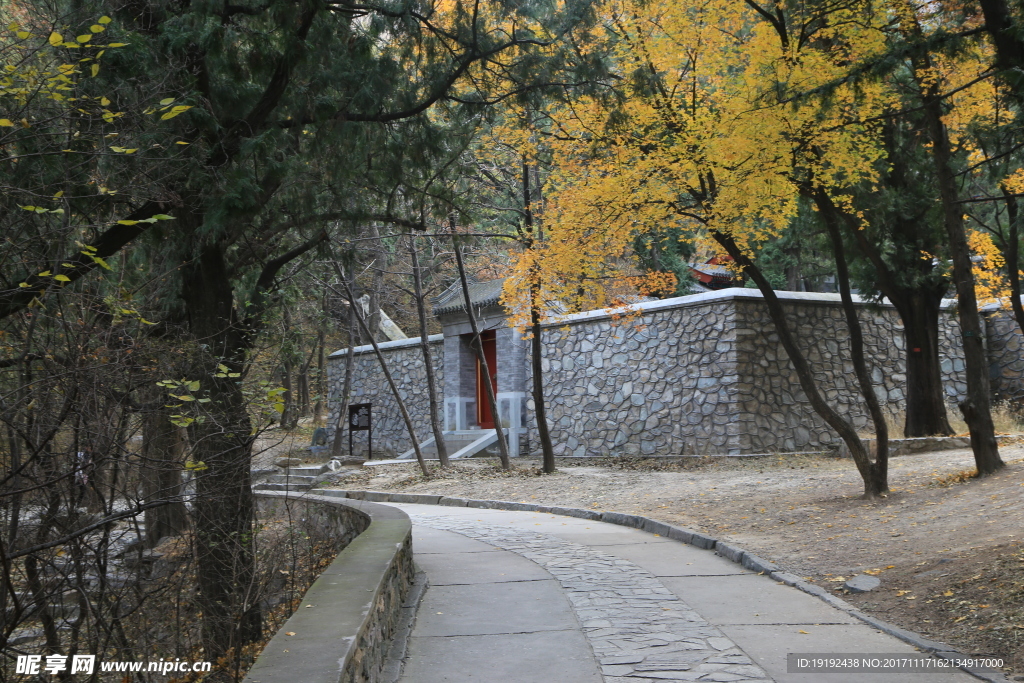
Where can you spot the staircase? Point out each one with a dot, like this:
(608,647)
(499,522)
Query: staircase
(294,479)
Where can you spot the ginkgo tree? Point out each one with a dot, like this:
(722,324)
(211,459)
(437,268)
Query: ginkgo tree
(731,115)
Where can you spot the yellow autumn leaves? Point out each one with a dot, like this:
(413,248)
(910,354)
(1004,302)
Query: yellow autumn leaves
(726,115)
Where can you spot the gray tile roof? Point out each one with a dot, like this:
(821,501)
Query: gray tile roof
(482,294)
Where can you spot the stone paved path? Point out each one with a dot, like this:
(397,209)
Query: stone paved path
(524,597)
(636,626)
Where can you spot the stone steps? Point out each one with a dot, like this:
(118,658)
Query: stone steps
(300,478)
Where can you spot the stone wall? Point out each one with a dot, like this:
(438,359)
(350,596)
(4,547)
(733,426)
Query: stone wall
(706,374)
(404,359)
(357,602)
(1005,346)
(341,524)
(669,375)
(374,642)
(702,374)
(773,413)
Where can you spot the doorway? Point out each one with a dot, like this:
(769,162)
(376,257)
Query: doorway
(484,418)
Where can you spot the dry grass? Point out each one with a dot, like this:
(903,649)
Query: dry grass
(1007,417)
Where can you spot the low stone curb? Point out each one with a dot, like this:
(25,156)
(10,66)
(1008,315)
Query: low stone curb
(725,549)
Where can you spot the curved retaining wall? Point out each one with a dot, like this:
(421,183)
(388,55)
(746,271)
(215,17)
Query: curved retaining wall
(356,602)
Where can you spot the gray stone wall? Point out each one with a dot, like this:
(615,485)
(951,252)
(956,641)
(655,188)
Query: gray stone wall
(662,383)
(405,362)
(773,412)
(702,374)
(1006,359)
(706,374)
(347,639)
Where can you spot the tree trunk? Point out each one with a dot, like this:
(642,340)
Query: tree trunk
(1011,252)
(919,309)
(289,416)
(373,315)
(222,447)
(536,342)
(428,364)
(926,413)
(879,469)
(346,385)
(394,389)
(1001,25)
(485,371)
(160,472)
(321,378)
(872,486)
(303,381)
(536,355)
(976,407)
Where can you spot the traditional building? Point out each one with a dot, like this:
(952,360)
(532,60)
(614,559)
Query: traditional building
(699,374)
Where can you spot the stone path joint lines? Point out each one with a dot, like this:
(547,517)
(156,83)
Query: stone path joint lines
(639,630)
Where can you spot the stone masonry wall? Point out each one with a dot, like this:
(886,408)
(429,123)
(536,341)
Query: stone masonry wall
(1005,345)
(669,375)
(702,374)
(405,362)
(774,413)
(710,376)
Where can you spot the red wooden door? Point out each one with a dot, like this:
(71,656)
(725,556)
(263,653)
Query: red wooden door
(484,418)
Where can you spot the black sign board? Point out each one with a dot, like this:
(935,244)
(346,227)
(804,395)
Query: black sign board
(359,421)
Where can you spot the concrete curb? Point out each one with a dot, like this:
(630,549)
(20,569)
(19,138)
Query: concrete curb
(727,550)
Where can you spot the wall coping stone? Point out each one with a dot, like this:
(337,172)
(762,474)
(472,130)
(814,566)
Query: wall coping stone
(729,551)
(385,346)
(688,301)
(721,295)
(325,647)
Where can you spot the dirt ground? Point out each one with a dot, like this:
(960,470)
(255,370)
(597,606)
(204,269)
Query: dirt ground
(947,547)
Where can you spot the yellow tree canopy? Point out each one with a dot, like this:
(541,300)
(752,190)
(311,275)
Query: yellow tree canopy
(725,114)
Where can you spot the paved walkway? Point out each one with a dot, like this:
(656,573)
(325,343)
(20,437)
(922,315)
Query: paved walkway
(525,597)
